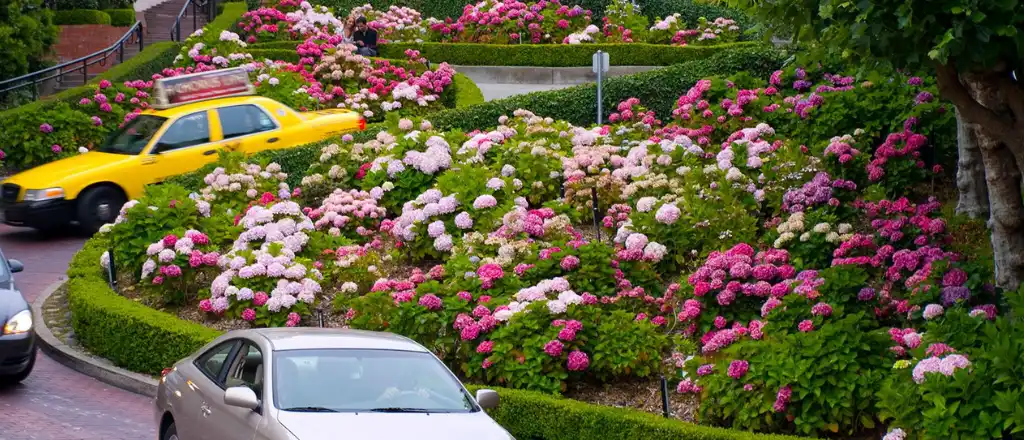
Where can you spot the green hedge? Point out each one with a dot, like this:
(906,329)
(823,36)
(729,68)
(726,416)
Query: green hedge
(530,415)
(657,90)
(80,16)
(121,17)
(466,92)
(689,10)
(129,334)
(145,340)
(557,55)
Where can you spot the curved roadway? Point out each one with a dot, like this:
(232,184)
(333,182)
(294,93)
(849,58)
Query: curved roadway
(55,402)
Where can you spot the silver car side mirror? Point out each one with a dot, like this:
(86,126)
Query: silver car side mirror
(242,397)
(487,399)
(16,266)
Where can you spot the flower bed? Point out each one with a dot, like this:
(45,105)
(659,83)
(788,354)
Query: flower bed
(325,75)
(777,274)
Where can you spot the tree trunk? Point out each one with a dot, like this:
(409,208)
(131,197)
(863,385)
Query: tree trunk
(1007,220)
(1003,179)
(970,172)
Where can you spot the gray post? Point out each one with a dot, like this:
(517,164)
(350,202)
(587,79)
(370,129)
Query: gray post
(600,76)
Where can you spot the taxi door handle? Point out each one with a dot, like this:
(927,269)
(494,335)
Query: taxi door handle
(271,140)
(232,146)
(148,160)
(209,152)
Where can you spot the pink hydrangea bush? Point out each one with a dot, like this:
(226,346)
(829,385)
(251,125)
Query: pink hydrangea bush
(239,185)
(512,22)
(266,287)
(351,213)
(177,265)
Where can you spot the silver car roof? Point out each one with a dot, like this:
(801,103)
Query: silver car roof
(300,338)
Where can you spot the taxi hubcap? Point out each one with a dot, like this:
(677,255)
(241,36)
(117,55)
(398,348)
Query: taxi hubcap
(103,212)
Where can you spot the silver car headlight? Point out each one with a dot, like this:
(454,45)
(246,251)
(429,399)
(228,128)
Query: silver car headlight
(36,195)
(21,322)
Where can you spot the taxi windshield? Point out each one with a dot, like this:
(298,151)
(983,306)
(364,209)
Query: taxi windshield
(133,136)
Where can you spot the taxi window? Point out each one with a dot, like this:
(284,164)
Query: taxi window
(190,130)
(241,120)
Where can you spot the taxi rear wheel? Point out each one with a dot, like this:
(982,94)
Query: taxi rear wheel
(99,206)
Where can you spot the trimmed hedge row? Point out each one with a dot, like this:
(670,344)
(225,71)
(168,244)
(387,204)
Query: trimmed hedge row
(531,415)
(80,16)
(536,55)
(658,90)
(689,10)
(121,17)
(557,55)
(145,340)
(127,333)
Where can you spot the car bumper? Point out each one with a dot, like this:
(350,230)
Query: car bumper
(16,352)
(40,215)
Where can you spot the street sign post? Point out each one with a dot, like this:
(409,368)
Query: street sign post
(600,67)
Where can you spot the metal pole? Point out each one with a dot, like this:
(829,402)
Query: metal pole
(195,17)
(600,76)
(597,210)
(111,269)
(120,53)
(177,30)
(140,37)
(664,397)
(85,71)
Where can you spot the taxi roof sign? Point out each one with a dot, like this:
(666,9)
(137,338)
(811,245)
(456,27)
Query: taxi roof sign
(195,87)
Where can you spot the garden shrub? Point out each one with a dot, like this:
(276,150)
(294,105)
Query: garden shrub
(575,104)
(121,17)
(145,340)
(562,55)
(129,334)
(81,16)
(27,32)
(532,415)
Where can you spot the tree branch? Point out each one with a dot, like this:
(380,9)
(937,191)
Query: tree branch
(970,109)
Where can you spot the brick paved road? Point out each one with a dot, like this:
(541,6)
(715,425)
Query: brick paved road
(56,403)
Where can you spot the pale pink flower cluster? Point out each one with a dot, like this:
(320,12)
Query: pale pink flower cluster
(342,207)
(423,212)
(282,222)
(946,366)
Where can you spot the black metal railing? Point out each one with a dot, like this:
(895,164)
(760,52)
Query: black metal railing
(82,64)
(197,6)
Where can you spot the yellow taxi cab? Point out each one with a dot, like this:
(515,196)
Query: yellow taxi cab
(195,117)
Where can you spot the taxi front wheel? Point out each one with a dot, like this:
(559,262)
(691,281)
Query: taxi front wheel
(99,206)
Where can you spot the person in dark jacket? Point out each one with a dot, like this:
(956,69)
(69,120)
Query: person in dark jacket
(365,39)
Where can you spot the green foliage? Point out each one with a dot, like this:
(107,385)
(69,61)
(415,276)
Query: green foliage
(658,90)
(832,372)
(81,16)
(557,55)
(129,334)
(145,340)
(974,34)
(26,34)
(121,17)
(982,401)
(575,104)
(466,92)
(531,415)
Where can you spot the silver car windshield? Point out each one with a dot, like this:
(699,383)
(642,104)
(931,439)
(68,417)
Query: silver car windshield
(354,380)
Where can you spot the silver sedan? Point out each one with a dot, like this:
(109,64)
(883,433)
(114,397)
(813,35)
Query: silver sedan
(312,384)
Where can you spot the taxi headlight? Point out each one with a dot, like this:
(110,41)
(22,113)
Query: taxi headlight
(21,322)
(35,195)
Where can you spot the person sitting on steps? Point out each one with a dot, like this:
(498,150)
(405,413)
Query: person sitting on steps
(365,38)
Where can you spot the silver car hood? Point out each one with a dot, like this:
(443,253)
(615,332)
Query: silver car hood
(392,426)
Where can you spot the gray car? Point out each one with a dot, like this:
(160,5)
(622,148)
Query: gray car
(17,333)
(313,384)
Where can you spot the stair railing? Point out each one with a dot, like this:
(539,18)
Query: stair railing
(82,64)
(206,6)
